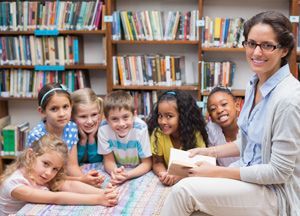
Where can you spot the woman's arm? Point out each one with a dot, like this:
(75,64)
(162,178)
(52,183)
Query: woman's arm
(220,151)
(205,169)
(28,194)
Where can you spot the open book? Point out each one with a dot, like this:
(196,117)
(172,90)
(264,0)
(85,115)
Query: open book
(180,162)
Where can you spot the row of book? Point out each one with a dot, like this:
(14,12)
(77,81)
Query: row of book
(222,32)
(61,15)
(32,50)
(12,137)
(27,83)
(143,102)
(149,25)
(148,70)
(216,74)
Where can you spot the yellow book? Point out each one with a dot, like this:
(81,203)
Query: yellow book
(217,31)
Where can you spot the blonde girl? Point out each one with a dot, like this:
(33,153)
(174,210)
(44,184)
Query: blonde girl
(55,107)
(38,176)
(87,113)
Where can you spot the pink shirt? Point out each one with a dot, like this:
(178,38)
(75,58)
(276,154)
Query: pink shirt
(9,205)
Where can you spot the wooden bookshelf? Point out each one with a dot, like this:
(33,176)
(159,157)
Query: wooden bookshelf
(82,65)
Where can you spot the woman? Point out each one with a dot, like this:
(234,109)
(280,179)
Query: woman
(266,179)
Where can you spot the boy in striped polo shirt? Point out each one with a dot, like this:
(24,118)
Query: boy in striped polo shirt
(123,139)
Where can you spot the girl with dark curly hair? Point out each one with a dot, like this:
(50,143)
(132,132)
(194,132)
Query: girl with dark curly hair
(175,122)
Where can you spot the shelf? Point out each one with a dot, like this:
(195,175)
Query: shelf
(18,98)
(151,88)
(8,157)
(67,67)
(221,49)
(61,32)
(184,42)
(235,92)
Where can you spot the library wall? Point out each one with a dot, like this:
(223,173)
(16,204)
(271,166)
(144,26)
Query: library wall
(26,110)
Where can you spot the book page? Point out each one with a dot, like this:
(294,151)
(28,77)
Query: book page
(180,162)
(183,157)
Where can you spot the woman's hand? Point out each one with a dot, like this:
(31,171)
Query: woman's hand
(203,169)
(199,151)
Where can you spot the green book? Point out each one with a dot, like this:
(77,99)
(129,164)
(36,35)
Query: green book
(9,140)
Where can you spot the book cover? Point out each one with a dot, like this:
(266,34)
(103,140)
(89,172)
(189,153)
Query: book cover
(180,162)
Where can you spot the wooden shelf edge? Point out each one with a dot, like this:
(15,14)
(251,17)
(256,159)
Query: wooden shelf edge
(153,88)
(10,157)
(221,49)
(235,92)
(174,42)
(61,32)
(17,98)
(67,67)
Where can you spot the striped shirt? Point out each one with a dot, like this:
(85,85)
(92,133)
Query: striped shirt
(127,150)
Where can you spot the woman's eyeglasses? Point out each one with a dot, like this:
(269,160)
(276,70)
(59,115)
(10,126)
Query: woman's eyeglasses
(267,47)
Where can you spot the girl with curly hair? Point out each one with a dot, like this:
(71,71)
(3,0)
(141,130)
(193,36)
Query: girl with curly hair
(175,122)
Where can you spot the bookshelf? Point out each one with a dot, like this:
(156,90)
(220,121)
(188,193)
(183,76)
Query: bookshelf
(101,72)
(197,52)
(88,27)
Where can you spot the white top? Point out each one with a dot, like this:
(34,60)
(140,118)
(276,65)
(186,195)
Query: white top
(128,150)
(215,138)
(9,205)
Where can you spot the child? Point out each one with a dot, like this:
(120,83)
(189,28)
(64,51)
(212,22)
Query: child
(123,139)
(55,107)
(223,111)
(175,122)
(38,174)
(87,113)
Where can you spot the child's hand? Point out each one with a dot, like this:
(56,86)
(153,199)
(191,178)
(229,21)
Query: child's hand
(167,179)
(83,136)
(111,196)
(94,178)
(118,176)
(93,133)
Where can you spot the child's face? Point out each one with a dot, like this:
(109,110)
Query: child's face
(87,117)
(168,117)
(57,112)
(47,166)
(222,109)
(121,121)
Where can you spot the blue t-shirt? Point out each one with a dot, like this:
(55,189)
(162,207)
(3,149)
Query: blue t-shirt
(69,136)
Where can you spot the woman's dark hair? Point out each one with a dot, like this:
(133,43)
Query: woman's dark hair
(281,26)
(50,89)
(190,118)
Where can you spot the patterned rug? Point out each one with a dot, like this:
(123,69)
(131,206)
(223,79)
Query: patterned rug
(141,196)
